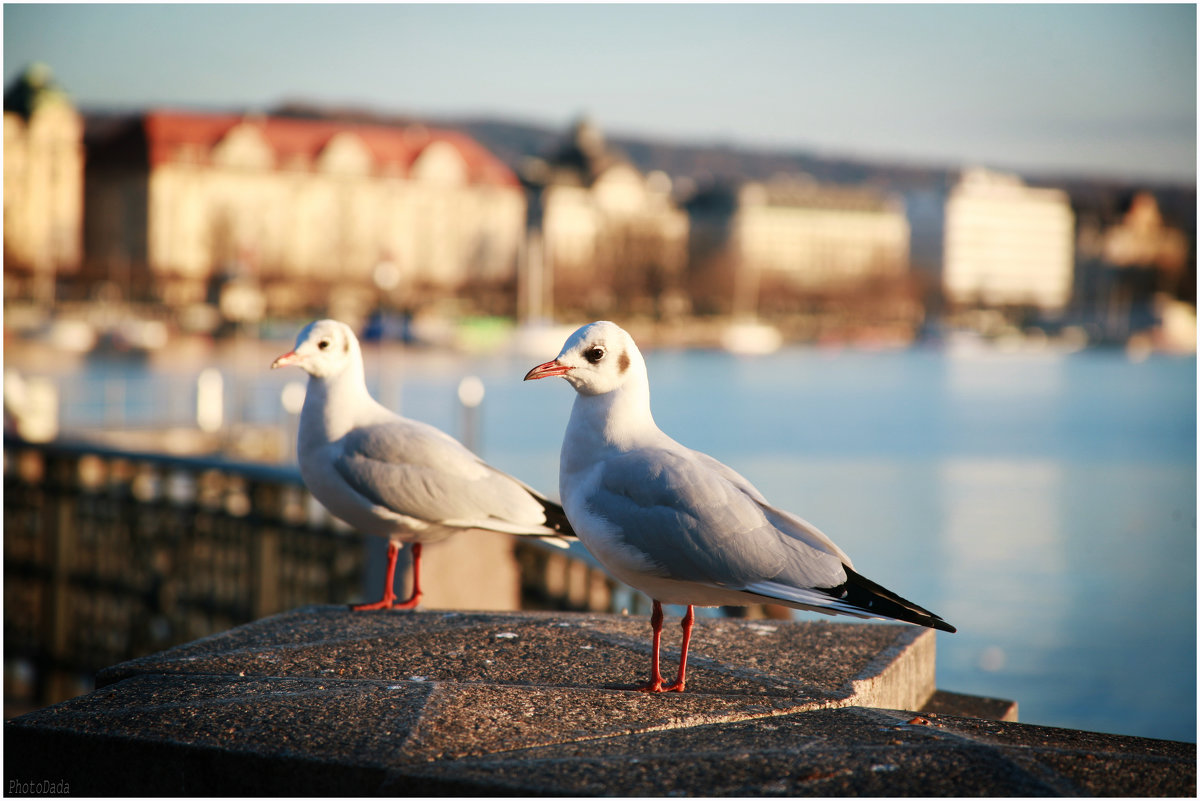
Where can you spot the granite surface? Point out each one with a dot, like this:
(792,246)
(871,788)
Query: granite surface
(322,701)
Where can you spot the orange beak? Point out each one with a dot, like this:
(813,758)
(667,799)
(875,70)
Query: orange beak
(547,369)
(291,357)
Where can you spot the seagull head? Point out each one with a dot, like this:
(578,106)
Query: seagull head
(598,358)
(324,348)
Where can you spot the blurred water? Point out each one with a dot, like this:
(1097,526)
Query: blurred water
(1044,503)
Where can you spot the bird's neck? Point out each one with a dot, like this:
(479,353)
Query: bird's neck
(333,406)
(615,421)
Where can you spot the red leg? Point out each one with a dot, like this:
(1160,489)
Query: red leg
(415,598)
(389,593)
(656,621)
(688,620)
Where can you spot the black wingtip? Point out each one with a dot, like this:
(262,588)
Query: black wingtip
(556,518)
(868,596)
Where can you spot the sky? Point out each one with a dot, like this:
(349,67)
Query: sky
(1093,90)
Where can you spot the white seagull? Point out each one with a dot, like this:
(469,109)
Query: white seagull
(676,523)
(394,477)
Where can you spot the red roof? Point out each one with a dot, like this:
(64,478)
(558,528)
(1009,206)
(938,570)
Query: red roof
(289,138)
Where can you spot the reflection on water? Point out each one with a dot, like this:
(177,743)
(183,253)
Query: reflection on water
(1001,521)
(1072,586)
(1005,563)
(1043,503)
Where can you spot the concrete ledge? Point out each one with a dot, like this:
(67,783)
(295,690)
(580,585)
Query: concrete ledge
(786,665)
(944,702)
(322,701)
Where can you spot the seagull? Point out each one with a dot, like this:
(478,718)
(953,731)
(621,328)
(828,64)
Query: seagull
(679,525)
(393,477)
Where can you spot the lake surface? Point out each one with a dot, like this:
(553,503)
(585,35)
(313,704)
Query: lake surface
(1042,502)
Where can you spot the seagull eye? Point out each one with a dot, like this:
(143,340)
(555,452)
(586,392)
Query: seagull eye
(323,344)
(594,355)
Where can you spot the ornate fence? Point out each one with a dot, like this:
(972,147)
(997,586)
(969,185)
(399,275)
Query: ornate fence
(111,554)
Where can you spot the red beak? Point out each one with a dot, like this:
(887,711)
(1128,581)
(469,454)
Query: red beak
(291,357)
(548,369)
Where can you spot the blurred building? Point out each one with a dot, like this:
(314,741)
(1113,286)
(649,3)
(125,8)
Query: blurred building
(612,237)
(1128,269)
(792,236)
(1143,240)
(189,207)
(1007,244)
(43,185)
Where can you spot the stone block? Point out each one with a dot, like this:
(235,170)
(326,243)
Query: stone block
(322,701)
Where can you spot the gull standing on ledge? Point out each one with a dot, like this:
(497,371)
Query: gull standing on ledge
(676,523)
(393,477)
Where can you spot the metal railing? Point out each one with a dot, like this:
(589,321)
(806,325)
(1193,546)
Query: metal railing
(112,554)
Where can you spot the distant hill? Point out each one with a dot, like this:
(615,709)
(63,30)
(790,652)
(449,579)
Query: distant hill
(514,141)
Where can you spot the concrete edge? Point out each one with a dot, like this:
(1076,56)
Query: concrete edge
(901,676)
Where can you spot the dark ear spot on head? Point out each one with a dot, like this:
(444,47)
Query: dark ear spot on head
(345,346)
(623,362)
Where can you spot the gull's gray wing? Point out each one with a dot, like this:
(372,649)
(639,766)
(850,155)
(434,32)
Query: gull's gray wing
(416,470)
(702,524)
(786,522)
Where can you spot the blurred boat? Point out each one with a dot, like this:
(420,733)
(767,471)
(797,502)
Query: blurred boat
(536,338)
(751,338)
(72,336)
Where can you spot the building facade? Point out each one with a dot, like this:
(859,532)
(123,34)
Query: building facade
(612,238)
(1007,244)
(792,235)
(1128,270)
(302,207)
(1142,239)
(43,186)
